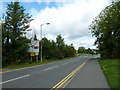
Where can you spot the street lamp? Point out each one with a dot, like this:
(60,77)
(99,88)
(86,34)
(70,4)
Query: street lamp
(41,39)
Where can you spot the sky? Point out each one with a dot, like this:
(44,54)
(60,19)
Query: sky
(70,18)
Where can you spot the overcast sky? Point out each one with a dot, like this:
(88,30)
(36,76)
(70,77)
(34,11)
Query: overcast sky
(70,19)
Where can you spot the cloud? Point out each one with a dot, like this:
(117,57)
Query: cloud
(87,42)
(47,1)
(33,11)
(71,20)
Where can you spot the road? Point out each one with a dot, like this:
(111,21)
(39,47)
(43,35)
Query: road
(90,76)
(43,76)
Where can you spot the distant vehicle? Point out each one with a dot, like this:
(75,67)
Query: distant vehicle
(86,54)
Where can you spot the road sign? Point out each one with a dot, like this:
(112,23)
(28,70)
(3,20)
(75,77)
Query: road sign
(32,54)
(34,46)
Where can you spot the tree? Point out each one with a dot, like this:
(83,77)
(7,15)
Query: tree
(89,51)
(60,46)
(81,49)
(16,21)
(58,49)
(72,51)
(106,29)
(47,48)
(60,41)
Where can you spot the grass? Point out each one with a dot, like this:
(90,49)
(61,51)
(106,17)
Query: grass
(110,69)
(33,63)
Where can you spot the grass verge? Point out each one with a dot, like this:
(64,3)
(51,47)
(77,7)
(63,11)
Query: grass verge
(110,69)
(34,63)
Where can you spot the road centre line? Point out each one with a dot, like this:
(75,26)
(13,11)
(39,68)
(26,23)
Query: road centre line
(73,73)
(63,81)
(50,68)
(15,79)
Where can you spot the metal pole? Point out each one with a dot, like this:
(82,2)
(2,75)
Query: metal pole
(41,39)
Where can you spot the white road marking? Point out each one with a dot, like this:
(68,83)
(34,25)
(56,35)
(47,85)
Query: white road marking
(50,68)
(15,79)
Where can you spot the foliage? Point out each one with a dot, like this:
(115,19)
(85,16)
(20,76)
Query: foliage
(58,49)
(70,51)
(13,43)
(106,29)
(81,49)
(87,51)
(15,24)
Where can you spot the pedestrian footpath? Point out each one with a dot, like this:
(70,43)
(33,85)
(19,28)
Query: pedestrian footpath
(90,76)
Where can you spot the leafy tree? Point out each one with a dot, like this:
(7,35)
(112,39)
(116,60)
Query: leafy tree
(60,44)
(81,49)
(16,21)
(106,29)
(89,51)
(60,41)
(72,50)
(47,48)
(58,49)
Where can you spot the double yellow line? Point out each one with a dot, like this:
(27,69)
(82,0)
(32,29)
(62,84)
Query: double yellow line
(63,81)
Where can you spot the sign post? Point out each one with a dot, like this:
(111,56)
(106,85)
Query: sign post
(34,49)
(32,54)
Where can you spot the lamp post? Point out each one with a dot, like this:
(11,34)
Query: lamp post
(41,39)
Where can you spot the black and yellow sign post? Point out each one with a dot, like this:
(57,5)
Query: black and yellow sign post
(34,49)
(32,54)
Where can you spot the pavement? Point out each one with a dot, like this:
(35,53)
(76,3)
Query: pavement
(91,76)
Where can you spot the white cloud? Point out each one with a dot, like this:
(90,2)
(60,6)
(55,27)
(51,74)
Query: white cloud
(47,1)
(33,11)
(71,20)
